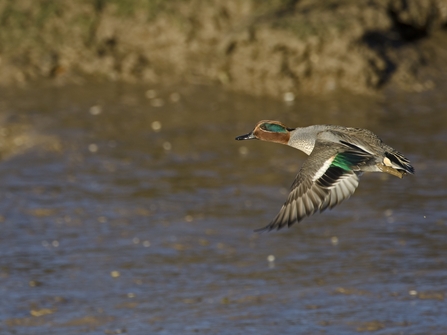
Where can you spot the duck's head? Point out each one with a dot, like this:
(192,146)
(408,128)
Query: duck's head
(267,130)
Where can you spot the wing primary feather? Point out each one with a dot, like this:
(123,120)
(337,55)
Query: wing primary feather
(311,192)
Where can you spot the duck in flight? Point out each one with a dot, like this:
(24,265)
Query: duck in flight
(338,156)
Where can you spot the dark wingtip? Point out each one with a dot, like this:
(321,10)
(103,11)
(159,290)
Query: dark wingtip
(274,225)
(263,229)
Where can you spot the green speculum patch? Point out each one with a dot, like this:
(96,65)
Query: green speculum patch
(274,128)
(342,161)
(348,159)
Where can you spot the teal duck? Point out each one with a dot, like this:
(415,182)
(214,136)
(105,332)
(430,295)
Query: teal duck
(337,158)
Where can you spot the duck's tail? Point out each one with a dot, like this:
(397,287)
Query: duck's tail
(396,164)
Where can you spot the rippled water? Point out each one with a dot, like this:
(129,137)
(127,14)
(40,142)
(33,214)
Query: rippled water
(138,218)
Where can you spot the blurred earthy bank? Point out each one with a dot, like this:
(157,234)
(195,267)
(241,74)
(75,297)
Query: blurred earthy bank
(257,47)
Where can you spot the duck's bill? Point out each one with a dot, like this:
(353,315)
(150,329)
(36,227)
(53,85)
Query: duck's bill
(248,136)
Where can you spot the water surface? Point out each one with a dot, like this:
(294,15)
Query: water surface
(136,215)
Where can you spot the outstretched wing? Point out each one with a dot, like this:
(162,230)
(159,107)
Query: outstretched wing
(329,176)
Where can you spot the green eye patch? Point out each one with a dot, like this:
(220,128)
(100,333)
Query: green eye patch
(273,127)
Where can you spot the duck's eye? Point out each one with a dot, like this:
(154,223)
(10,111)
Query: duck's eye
(273,127)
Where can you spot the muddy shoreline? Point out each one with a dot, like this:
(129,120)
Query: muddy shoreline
(302,47)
